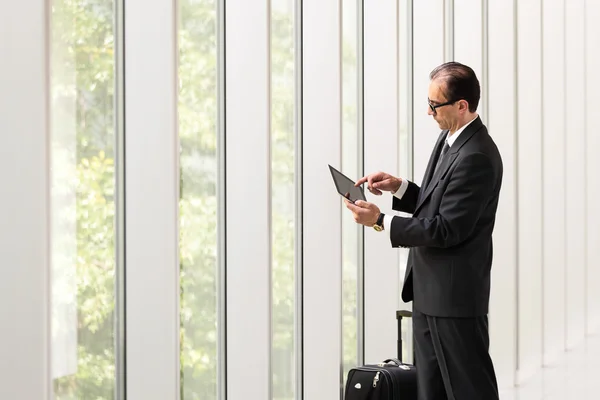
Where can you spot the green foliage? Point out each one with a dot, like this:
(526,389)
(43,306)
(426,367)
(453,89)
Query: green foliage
(283,201)
(198,113)
(83,122)
(95,272)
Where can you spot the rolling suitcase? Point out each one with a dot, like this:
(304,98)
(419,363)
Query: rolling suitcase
(390,379)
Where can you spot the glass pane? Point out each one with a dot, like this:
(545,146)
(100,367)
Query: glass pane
(351,241)
(283,196)
(198,205)
(83,199)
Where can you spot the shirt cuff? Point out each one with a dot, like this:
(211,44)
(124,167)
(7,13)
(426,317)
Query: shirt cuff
(387,222)
(402,189)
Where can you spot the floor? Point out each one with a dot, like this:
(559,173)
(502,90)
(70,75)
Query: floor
(575,377)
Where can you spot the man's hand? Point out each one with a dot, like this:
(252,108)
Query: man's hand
(365,213)
(380,181)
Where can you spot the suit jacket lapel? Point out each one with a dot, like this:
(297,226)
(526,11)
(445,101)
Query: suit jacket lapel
(447,162)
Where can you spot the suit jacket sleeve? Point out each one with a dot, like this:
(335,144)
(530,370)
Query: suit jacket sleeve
(471,186)
(408,202)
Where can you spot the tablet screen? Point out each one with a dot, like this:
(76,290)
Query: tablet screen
(345,186)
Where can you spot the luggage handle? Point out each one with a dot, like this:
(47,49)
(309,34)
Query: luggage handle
(394,361)
(399,315)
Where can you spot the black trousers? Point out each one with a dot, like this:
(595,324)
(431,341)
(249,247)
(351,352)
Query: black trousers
(452,358)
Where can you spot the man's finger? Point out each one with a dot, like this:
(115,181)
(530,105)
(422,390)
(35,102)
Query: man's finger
(383,183)
(371,180)
(375,191)
(356,211)
(362,204)
(361,181)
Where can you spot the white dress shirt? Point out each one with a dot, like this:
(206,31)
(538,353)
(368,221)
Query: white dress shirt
(450,139)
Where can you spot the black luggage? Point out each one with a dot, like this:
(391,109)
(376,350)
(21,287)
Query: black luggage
(389,380)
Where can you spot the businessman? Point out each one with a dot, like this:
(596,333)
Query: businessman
(450,241)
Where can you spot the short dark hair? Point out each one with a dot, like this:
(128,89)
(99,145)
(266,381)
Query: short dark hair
(461,83)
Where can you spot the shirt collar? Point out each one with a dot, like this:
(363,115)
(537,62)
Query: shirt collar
(452,139)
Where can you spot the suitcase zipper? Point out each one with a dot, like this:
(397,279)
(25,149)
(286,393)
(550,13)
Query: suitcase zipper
(376,379)
(395,384)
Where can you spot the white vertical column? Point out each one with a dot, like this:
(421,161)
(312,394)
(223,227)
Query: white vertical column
(248,200)
(151,201)
(575,174)
(592,41)
(529,184)
(24,230)
(502,127)
(554,194)
(322,205)
(468,38)
(449,30)
(405,145)
(405,95)
(428,33)
(380,154)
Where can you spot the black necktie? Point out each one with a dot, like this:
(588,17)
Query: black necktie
(442,154)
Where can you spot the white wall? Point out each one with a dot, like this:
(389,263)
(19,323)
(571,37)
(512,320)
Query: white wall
(554,179)
(575,172)
(248,250)
(25,224)
(323,212)
(529,187)
(152,256)
(380,153)
(468,38)
(428,33)
(592,140)
(405,145)
(502,124)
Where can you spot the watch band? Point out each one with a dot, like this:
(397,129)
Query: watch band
(379,224)
(380,219)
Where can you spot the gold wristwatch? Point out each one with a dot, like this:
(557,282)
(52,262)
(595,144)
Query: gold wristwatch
(379,224)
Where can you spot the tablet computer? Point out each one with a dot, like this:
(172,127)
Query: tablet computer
(345,186)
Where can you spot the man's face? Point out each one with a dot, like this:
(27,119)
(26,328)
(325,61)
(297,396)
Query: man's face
(446,116)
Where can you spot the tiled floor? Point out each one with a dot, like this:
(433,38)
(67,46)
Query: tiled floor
(575,377)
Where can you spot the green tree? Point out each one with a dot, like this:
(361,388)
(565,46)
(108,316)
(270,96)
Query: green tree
(283,201)
(198,115)
(82,88)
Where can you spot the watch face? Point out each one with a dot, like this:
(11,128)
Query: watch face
(377,228)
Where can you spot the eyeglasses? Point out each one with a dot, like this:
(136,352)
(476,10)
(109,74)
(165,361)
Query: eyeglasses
(434,106)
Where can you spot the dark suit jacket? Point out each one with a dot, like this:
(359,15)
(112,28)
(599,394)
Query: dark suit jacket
(450,232)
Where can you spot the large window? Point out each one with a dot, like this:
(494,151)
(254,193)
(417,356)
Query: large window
(352,233)
(283,197)
(84,200)
(200,186)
